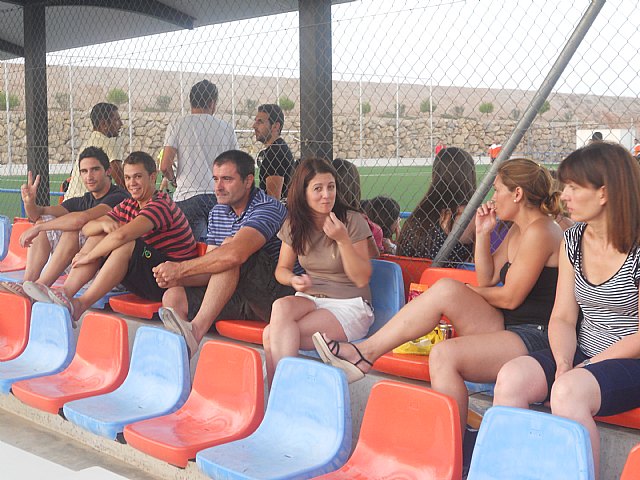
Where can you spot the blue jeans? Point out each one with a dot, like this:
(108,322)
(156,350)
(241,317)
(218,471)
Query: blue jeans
(197,209)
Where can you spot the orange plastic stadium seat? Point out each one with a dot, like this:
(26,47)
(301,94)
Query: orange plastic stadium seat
(15,315)
(244,330)
(412,268)
(631,469)
(202,248)
(630,419)
(99,366)
(225,404)
(417,366)
(133,305)
(16,258)
(407,432)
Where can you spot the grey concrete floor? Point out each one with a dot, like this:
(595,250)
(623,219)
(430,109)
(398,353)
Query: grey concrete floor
(59,449)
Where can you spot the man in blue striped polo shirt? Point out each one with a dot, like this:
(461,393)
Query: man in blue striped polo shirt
(235,278)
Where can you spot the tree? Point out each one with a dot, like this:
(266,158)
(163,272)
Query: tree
(426,106)
(402,108)
(163,102)
(62,99)
(546,106)
(250,105)
(366,108)
(458,111)
(14,101)
(117,96)
(486,108)
(286,103)
(515,114)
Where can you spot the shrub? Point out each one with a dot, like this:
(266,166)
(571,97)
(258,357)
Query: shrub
(286,103)
(486,108)
(546,106)
(425,104)
(14,101)
(163,102)
(458,111)
(117,96)
(366,108)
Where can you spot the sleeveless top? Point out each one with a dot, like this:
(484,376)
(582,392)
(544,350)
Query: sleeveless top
(610,309)
(536,307)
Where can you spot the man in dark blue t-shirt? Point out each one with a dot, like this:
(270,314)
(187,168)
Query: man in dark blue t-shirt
(57,229)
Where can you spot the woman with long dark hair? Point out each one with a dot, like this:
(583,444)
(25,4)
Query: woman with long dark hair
(593,369)
(329,240)
(453,181)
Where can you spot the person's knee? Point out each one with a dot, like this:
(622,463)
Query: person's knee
(447,289)
(174,297)
(565,398)
(442,356)
(280,312)
(509,383)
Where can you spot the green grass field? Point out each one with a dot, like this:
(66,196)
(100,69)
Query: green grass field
(406,185)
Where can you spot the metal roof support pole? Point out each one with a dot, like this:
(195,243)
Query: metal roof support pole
(521,128)
(35,84)
(316,101)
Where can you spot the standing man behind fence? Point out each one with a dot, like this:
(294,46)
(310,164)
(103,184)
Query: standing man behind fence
(105,135)
(275,160)
(196,140)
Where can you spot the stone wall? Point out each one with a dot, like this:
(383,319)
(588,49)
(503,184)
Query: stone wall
(543,142)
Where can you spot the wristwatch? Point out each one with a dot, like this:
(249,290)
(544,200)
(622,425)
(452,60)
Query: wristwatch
(586,362)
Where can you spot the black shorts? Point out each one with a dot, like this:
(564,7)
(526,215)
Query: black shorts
(139,278)
(619,380)
(255,293)
(533,336)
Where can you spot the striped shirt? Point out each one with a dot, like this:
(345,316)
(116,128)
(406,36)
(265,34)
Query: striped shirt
(610,309)
(171,234)
(263,212)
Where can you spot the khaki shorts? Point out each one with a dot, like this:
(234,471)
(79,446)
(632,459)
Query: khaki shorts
(54,238)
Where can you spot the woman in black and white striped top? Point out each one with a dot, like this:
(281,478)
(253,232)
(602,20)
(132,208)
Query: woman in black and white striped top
(597,371)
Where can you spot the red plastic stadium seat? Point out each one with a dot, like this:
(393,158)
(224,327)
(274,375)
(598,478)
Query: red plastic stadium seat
(407,432)
(632,466)
(16,258)
(225,404)
(99,366)
(202,249)
(15,315)
(133,305)
(244,330)
(417,366)
(412,268)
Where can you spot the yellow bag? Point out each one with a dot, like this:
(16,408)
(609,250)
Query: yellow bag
(422,345)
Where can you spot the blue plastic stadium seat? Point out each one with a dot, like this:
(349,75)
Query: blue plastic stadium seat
(50,348)
(306,429)
(5,234)
(387,296)
(515,443)
(157,384)
(387,292)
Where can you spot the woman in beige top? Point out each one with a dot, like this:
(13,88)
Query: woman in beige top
(329,240)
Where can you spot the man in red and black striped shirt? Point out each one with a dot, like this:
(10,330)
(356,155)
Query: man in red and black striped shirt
(138,234)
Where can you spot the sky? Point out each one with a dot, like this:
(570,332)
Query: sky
(472,43)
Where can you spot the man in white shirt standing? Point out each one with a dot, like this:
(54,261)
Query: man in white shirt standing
(195,140)
(105,135)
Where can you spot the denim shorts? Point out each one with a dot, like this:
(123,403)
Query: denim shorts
(533,336)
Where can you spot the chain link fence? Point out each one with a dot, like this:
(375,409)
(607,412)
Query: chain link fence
(408,77)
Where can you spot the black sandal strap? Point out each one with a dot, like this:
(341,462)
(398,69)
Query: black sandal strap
(362,359)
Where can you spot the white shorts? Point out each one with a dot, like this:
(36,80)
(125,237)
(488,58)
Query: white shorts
(354,314)
(54,238)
